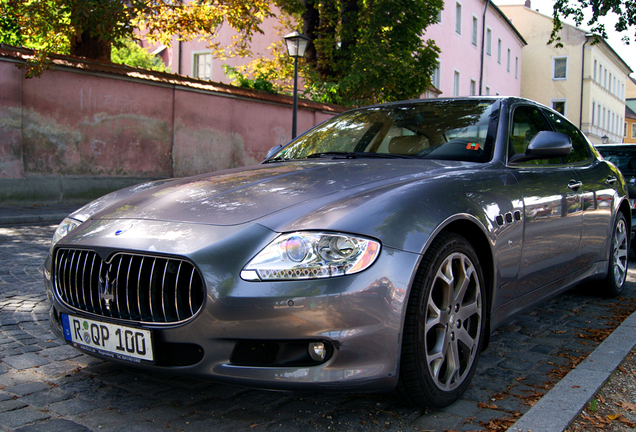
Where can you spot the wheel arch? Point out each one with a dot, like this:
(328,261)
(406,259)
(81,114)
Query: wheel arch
(471,228)
(476,236)
(627,212)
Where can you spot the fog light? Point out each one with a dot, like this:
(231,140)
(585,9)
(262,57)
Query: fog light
(317,351)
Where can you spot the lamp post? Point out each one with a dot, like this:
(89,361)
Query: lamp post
(604,139)
(296,46)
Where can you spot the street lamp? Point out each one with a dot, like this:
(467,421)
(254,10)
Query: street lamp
(296,46)
(604,139)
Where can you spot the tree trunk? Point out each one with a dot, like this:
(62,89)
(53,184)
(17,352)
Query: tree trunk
(90,47)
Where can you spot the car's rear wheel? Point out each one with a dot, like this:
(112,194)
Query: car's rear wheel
(444,326)
(618,259)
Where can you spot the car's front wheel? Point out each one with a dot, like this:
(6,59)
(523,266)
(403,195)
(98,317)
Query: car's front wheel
(445,324)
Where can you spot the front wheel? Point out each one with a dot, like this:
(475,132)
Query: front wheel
(619,253)
(444,326)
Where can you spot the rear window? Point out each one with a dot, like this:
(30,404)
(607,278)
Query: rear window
(623,157)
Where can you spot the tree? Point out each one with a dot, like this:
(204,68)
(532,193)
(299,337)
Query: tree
(623,10)
(129,52)
(362,51)
(90,28)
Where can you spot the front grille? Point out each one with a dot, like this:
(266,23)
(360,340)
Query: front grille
(128,287)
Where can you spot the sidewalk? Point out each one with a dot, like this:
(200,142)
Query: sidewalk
(53,213)
(554,411)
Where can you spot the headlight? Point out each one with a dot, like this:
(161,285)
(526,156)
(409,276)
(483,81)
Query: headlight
(67,225)
(310,255)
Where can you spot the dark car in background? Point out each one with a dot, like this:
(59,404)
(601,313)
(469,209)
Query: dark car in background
(624,157)
(375,252)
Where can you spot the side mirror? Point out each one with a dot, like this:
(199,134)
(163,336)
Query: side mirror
(545,145)
(273,151)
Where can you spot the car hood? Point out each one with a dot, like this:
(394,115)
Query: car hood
(239,196)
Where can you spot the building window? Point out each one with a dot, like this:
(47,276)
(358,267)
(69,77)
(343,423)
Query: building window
(633,130)
(499,51)
(559,68)
(605,78)
(595,62)
(473,87)
(202,65)
(516,67)
(508,61)
(593,111)
(598,116)
(458,18)
(456,83)
(475,30)
(488,41)
(436,77)
(439,17)
(559,105)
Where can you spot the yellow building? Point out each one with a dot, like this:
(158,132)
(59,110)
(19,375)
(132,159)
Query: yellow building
(585,79)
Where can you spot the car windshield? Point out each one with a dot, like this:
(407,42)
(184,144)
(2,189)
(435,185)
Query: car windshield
(445,129)
(623,157)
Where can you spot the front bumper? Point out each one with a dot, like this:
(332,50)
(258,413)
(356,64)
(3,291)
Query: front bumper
(358,317)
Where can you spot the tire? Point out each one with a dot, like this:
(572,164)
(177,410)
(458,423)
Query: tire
(613,284)
(444,326)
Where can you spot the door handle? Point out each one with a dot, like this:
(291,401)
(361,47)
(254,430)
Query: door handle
(611,180)
(574,184)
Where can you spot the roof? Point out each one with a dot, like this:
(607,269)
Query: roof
(82,65)
(630,108)
(508,22)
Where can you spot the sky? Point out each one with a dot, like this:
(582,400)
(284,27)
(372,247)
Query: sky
(627,52)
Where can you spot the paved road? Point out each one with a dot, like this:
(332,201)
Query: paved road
(48,386)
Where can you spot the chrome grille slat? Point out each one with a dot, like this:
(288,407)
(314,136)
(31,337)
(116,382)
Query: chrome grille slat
(176,293)
(144,288)
(163,291)
(128,282)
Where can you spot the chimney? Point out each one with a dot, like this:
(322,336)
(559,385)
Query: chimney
(527,4)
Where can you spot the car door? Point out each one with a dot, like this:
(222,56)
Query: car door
(551,208)
(597,192)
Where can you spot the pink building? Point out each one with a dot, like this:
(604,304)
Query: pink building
(478,56)
(195,59)
(460,34)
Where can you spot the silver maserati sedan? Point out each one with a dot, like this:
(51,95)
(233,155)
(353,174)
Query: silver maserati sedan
(376,252)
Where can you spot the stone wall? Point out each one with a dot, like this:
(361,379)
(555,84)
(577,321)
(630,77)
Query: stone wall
(83,129)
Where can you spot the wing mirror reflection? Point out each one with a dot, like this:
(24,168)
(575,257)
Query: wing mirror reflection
(273,151)
(545,145)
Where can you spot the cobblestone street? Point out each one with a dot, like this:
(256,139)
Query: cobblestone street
(46,385)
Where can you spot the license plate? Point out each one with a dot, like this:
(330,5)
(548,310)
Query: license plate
(110,340)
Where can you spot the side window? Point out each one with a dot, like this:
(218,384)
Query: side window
(526,123)
(580,150)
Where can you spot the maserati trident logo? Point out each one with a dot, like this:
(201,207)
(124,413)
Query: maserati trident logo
(106,287)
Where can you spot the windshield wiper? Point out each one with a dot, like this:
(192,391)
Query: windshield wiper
(355,155)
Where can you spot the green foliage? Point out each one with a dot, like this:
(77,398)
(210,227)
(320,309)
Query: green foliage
(90,28)
(362,51)
(129,52)
(623,11)
(260,82)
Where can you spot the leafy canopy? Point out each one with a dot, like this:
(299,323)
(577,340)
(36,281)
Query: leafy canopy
(90,28)
(623,11)
(362,51)
(129,52)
